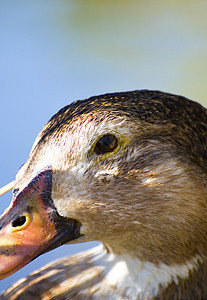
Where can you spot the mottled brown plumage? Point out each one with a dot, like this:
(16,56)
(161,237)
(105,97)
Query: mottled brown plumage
(145,200)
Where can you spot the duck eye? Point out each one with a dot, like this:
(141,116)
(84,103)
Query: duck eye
(106,143)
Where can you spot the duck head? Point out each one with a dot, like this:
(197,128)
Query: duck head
(127,169)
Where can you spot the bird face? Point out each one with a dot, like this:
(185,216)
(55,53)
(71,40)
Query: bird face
(120,169)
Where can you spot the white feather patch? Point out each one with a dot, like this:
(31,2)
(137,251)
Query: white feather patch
(139,279)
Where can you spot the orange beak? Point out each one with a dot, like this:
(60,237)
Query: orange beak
(32,226)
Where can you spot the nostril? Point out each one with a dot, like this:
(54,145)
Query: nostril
(20,221)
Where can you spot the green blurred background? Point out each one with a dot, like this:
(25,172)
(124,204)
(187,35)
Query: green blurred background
(54,52)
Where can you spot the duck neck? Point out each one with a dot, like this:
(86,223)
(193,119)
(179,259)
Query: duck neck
(136,279)
(192,287)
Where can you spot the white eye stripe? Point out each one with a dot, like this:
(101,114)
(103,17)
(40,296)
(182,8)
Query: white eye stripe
(112,171)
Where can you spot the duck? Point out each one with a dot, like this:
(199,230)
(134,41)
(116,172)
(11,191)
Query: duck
(129,170)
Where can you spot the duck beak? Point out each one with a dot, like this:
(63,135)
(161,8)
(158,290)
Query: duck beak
(32,226)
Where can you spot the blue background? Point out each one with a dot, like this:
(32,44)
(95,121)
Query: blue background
(55,52)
